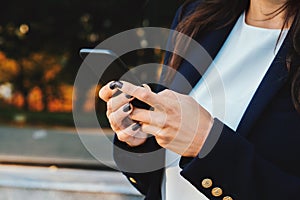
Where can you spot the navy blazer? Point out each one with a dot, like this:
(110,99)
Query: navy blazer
(258,161)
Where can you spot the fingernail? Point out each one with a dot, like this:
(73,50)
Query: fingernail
(127,108)
(112,86)
(115,84)
(118,92)
(136,126)
(119,84)
(128,96)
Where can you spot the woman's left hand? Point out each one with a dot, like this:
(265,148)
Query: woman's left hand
(178,122)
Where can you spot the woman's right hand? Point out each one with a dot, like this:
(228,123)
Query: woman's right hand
(118,110)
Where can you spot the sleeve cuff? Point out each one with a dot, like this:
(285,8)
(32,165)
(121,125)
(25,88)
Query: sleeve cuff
(218,150)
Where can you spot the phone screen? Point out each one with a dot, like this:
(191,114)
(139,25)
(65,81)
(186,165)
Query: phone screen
(115,71)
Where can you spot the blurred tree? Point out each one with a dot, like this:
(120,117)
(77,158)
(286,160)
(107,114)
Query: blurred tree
(8,69)
(59,28)
(36,70)
(39,69)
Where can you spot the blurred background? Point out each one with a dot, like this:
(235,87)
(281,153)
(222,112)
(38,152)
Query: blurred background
(39,45)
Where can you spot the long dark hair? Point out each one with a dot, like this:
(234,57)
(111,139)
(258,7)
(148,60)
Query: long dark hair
(208,15)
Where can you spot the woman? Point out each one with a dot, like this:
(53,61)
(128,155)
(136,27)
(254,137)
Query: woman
(255,45)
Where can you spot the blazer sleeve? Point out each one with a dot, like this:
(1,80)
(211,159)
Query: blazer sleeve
(234,166)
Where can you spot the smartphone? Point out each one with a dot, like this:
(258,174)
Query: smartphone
(115,71)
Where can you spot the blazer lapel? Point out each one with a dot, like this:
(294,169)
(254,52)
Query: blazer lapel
(271,83)
(274,79)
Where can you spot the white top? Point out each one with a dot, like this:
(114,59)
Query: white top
(241,64)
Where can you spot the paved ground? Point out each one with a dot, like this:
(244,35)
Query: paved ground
(56,145)
(41,183)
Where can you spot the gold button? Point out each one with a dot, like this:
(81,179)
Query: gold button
(216,192)
(207,183)
(227,198)
(132,180)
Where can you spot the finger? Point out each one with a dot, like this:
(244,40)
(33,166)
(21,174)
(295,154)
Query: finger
(141,93)
(155,118)
(150,129)
(132,135)
(136,141)
(162,137)
(115,103)
(168,93)
(146,86)
(106,92)
(171,97)
(117,118)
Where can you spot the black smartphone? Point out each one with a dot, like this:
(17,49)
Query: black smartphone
(115,71)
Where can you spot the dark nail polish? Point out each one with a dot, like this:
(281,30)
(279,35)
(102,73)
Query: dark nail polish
(116,84)
(136,126)
(151,109)
(118,92)
(126,108)
(128,96)
(112,85)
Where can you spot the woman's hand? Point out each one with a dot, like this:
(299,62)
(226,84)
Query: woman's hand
(178,122)
(118,110)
